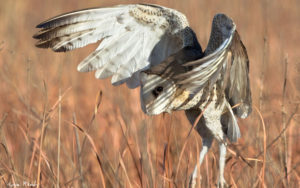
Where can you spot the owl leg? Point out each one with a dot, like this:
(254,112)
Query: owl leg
(220,137)
(206,144)
(212,117)
(222,147)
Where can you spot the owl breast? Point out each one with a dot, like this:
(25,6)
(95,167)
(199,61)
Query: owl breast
(184,100)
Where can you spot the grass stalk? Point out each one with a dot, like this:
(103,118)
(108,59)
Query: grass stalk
(58,139)
(262,177)
(81,179)
(42,138)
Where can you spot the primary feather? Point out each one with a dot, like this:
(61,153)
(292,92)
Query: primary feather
(154,47)
(135,36)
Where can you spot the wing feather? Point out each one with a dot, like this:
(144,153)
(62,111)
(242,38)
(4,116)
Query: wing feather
(121,55)
(204,70)
(238,85)
(83,16)
(60,31)
(159,31)
(230,58)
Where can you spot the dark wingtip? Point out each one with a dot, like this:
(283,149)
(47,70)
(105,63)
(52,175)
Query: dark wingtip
(40,35)
(42,44)
(45,24)
(36,36)
(42,25)
(61,49)
(39,26)
(47,44)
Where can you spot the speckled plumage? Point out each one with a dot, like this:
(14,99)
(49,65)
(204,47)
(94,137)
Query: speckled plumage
(153,47)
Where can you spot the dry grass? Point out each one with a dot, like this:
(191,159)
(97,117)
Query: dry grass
(106,141)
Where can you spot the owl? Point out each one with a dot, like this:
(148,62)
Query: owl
(154,48)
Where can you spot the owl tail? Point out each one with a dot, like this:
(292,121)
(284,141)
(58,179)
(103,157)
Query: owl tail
(232,130)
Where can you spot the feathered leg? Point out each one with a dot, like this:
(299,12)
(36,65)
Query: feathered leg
(212,117)
(207,139)
(222,147)
(206,144)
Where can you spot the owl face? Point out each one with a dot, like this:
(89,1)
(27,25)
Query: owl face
(156,94)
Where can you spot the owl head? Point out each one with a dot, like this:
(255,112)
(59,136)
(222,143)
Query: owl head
(157,93)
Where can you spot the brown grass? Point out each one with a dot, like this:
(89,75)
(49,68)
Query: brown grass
(106,141)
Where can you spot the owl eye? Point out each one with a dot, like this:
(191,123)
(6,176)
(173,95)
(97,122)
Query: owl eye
(157,91)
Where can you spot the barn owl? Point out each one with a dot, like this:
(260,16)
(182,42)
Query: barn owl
(155,48)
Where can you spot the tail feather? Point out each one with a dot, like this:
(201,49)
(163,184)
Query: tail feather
(229,121)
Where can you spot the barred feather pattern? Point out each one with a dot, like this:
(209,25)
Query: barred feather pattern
(133,38)
(154,47)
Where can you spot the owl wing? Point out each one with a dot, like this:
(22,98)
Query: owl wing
(207,69)
(228,62)
(237,83)
(133,38)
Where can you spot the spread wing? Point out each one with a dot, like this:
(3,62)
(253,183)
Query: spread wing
(133,38)
(227,62)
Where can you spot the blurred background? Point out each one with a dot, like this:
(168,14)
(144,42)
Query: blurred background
(107,141)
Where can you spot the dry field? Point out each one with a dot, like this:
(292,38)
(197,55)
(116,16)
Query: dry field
(107,141)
